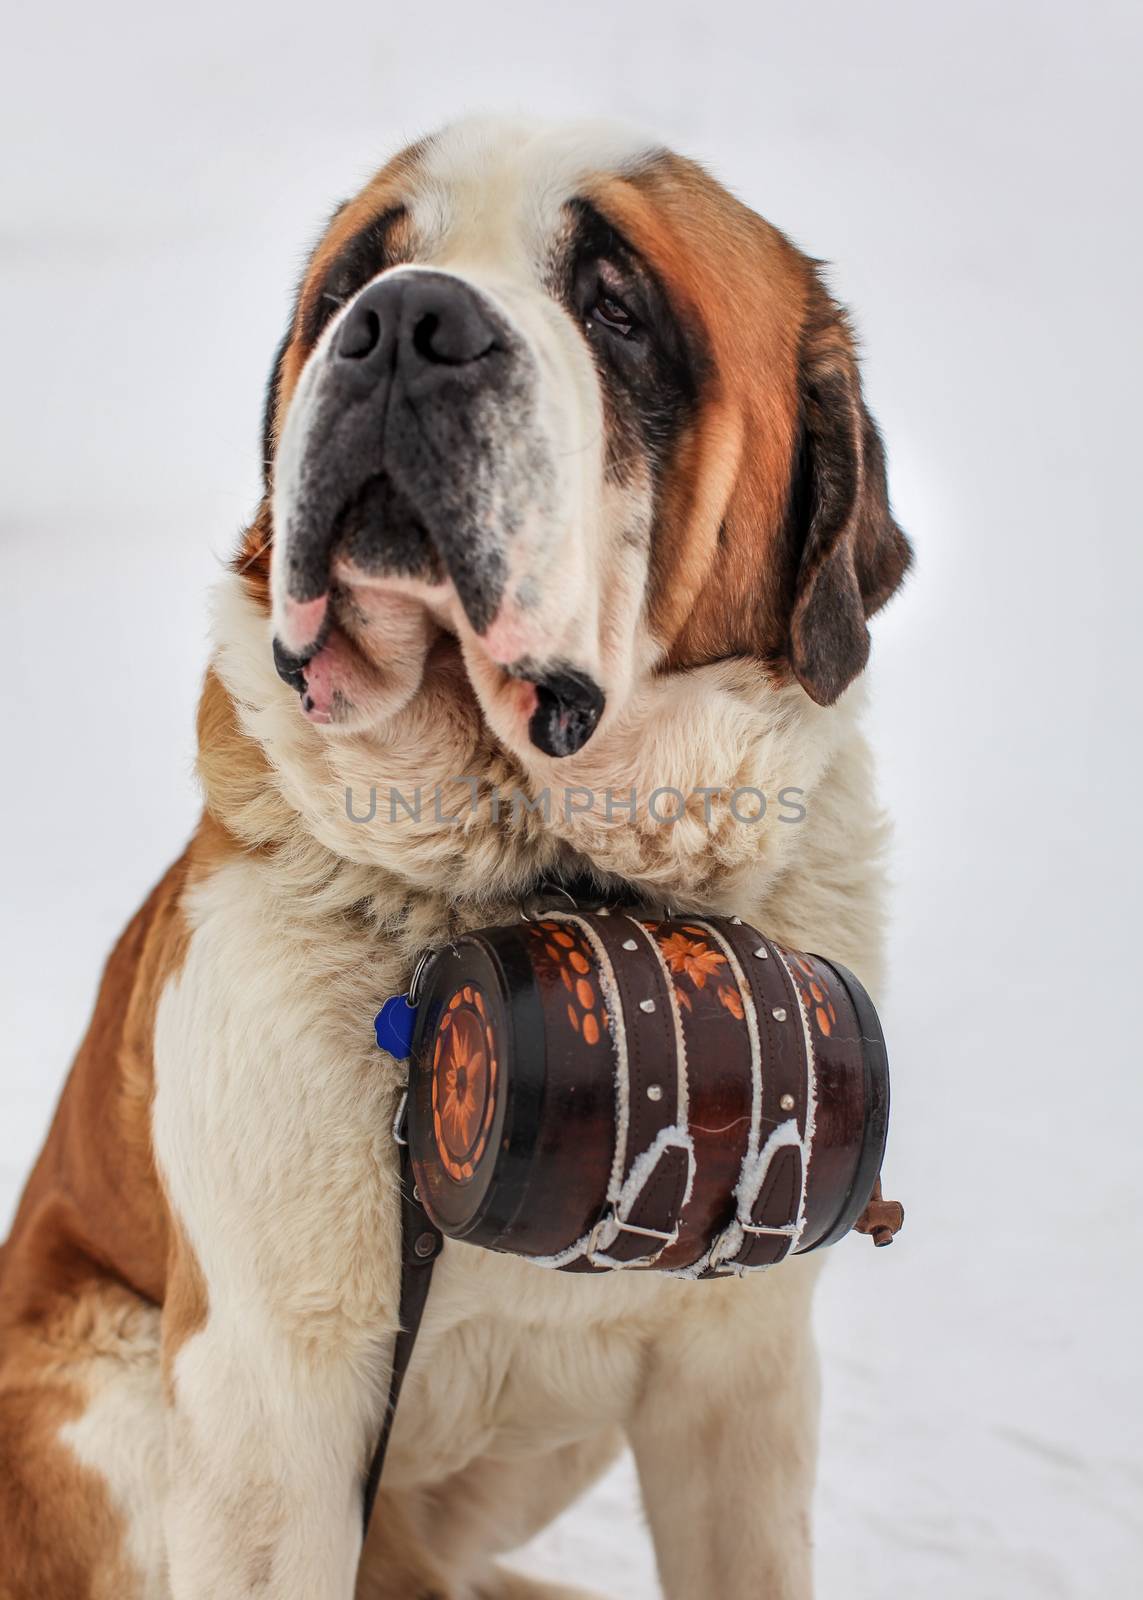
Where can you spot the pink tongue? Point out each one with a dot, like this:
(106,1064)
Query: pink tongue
(302,622)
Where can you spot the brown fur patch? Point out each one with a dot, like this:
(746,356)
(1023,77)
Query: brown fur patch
(60,1534)
(739,568)
(187,1304)
(252,560)
(852,553)
(91,1244)
(721,515)
(92,1207)
(243,806)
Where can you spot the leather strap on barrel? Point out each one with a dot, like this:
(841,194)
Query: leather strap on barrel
(654,1161)
(770,1195)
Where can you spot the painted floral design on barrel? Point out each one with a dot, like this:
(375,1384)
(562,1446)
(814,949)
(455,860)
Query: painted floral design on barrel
(813,984)
(562,955)
(464,1083)
(699,969)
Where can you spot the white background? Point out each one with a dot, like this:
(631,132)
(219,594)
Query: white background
(970,169)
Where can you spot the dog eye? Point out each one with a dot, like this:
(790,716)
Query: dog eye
(612,313)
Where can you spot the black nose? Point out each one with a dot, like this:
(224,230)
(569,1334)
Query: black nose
(415,320)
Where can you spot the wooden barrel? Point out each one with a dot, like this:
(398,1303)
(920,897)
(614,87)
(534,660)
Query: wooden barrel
(597,1090)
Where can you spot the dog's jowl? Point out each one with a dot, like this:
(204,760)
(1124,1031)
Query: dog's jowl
(570,490)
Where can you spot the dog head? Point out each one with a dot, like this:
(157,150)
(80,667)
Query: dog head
(563,398)
(557,419)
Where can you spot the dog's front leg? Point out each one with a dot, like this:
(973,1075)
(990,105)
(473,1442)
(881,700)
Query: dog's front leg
(266,1451)
(271,1130)
(725,1440)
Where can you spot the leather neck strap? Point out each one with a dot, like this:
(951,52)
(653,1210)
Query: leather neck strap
(420,1246)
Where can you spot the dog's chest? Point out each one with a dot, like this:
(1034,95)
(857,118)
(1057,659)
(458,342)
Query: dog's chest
(272,1129)
(514,1359)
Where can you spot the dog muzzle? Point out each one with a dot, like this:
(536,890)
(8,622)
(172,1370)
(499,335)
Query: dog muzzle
(597,1091)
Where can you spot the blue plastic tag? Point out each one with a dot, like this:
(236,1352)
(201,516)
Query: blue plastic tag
(394,1026)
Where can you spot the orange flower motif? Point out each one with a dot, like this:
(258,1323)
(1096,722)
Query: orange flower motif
(462,1100)
(692,957)
(732,1000)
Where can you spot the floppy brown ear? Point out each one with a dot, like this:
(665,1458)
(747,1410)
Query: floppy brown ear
(853,554)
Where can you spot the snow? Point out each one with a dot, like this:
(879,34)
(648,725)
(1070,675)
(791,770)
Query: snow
(967,168)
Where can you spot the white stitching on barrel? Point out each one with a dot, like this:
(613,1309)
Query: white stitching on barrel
(676,1137)
(616,1026)
(811,1099)
(728,1243)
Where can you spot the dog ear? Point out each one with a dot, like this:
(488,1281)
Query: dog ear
(852,553)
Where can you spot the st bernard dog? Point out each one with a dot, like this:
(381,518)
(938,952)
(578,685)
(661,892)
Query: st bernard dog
(570,488)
